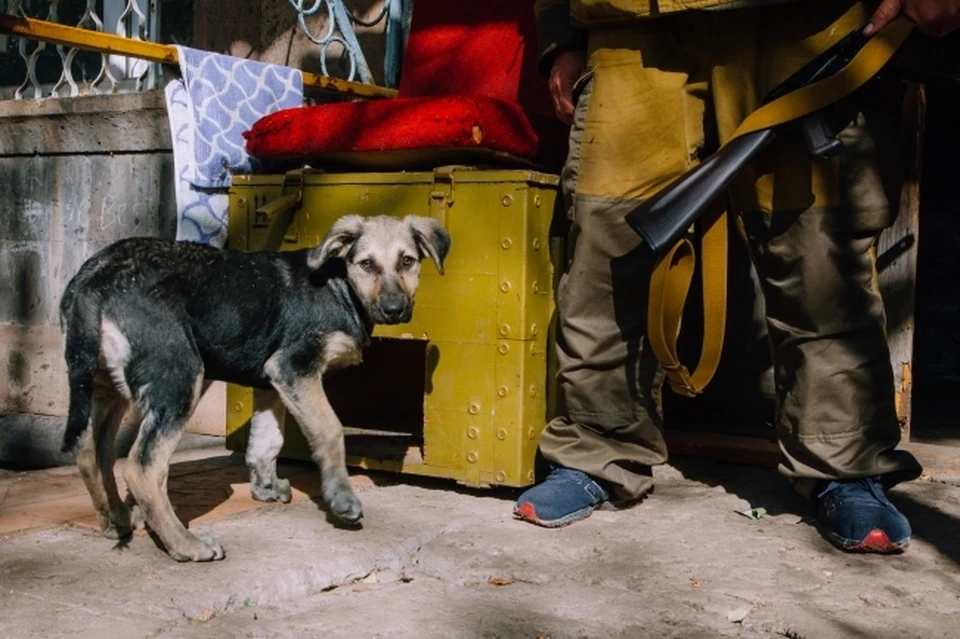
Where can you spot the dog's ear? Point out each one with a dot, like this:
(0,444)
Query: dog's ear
(337,242)
(432,239)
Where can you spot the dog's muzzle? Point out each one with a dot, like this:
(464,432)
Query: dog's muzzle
(394,309)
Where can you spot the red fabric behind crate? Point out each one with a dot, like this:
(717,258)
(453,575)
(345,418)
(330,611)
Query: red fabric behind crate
(469,81)
(475,47)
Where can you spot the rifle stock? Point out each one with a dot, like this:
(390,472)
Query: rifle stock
(665,217)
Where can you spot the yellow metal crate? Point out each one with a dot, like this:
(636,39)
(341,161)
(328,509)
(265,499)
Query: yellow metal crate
(462,391)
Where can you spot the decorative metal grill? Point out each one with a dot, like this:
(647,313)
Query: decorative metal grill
(57,70)
(339,29)
(82,72)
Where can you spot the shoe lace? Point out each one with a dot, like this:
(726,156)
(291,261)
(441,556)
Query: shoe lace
(559,473)
(873,485)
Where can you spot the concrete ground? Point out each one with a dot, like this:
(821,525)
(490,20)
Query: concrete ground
(435,560)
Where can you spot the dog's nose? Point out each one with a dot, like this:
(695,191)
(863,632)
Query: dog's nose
(393,308)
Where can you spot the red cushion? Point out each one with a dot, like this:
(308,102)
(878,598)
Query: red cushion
(469,81)
(459,122)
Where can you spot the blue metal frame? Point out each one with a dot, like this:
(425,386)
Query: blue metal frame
(340,30)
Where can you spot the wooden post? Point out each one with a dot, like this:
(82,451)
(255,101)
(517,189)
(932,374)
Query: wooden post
(897,257)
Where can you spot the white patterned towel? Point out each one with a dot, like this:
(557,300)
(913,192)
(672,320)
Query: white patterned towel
(215,100)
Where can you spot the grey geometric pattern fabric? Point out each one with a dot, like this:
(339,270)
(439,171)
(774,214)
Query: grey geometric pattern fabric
(215,100)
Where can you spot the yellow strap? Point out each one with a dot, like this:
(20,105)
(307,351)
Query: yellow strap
(669,286)
(673,273)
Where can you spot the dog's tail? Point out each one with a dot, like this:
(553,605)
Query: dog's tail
(80,320)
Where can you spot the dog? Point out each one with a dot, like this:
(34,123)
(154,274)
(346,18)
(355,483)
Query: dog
(152,322)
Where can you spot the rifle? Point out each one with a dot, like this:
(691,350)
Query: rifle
(664,218)
(802,101)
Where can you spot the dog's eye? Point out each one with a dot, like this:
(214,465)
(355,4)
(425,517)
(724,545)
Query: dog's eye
(408,261)
(366,265)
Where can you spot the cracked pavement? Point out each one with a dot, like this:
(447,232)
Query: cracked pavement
(436,560)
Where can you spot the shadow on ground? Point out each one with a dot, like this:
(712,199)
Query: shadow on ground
(765,487)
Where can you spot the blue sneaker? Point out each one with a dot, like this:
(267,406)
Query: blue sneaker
(565,496)
(859,517)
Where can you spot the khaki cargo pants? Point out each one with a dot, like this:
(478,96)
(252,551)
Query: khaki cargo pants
(656,98)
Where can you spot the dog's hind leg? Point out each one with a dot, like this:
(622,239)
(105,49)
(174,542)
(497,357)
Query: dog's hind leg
(308,403)
(266,439)
(167,388)
(97,456)
(147,470)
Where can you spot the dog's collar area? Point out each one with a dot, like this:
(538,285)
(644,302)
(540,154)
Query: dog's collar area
(366,322)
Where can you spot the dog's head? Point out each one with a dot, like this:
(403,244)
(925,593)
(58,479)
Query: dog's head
(383,257)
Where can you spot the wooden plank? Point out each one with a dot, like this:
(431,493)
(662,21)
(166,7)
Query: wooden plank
(940,463)
(897,258)
(154,52)
(86,39)
(737,449)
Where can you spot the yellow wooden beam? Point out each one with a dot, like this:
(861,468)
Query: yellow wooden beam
(154,52)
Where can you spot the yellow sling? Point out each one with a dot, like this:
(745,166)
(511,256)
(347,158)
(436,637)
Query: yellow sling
(673,273)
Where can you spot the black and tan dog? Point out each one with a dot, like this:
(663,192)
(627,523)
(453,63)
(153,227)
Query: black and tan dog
(148,321)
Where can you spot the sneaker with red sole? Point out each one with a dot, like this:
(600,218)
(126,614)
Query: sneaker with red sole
(565,496)
(858,517)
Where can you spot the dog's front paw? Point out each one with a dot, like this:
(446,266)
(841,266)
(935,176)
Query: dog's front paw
(118,531)
(202,548)
(346,507)
(116,523)
(278,490)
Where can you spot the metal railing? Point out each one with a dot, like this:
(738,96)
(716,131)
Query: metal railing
(72,62)
(82,72)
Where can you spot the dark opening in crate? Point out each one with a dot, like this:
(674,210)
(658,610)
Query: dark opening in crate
(380,401)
